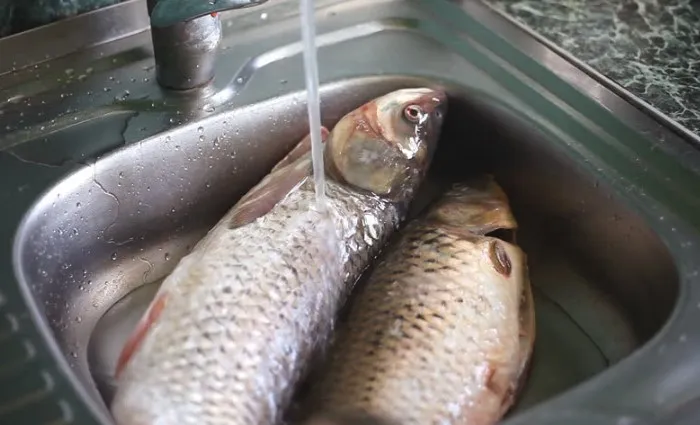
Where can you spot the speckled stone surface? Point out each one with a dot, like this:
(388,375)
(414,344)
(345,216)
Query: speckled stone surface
(22,15)
(650,47)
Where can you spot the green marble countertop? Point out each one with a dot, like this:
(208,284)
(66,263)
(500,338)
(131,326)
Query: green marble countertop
(650,47)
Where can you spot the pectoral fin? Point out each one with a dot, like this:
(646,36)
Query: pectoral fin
(288,173)
(299,150)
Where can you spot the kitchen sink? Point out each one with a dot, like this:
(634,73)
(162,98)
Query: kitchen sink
(104,201)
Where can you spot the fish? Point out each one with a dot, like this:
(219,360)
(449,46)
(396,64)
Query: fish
(442,331)
(232,330)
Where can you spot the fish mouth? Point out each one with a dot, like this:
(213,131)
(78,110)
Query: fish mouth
(432,100)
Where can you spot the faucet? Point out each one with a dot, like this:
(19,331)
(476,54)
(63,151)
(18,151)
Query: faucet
(186,35)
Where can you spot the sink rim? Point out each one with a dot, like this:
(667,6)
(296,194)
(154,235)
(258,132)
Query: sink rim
(46,329)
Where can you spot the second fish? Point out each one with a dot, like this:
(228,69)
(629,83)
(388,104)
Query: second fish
(444,328)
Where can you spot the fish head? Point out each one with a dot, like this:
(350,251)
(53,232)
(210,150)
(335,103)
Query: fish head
(386,146)
(479,206)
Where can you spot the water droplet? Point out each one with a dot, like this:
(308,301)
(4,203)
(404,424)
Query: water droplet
(167,256)
(239,80)
(177,147)
(78,204)
(15,99)
(69,71)
(107,89)
(122,96)
(208,108)
(121,174)
(78,319)
(283,81)
(201,138)
(75,232)
(200,129)
(263,16)
(114,256)
(74,354)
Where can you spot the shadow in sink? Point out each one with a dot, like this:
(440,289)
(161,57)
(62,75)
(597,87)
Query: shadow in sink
(604,282)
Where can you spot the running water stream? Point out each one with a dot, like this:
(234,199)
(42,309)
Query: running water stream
(308,38)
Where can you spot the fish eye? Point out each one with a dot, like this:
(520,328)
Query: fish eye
(413,113)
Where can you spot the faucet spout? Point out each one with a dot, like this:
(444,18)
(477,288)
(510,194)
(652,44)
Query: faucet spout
(186,35)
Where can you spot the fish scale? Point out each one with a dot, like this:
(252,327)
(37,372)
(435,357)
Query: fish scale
(282,313)
(442,330)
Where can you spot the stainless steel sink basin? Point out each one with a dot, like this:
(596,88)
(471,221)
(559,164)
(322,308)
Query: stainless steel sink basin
(604,201)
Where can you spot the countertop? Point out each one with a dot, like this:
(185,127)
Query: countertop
(650,47)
